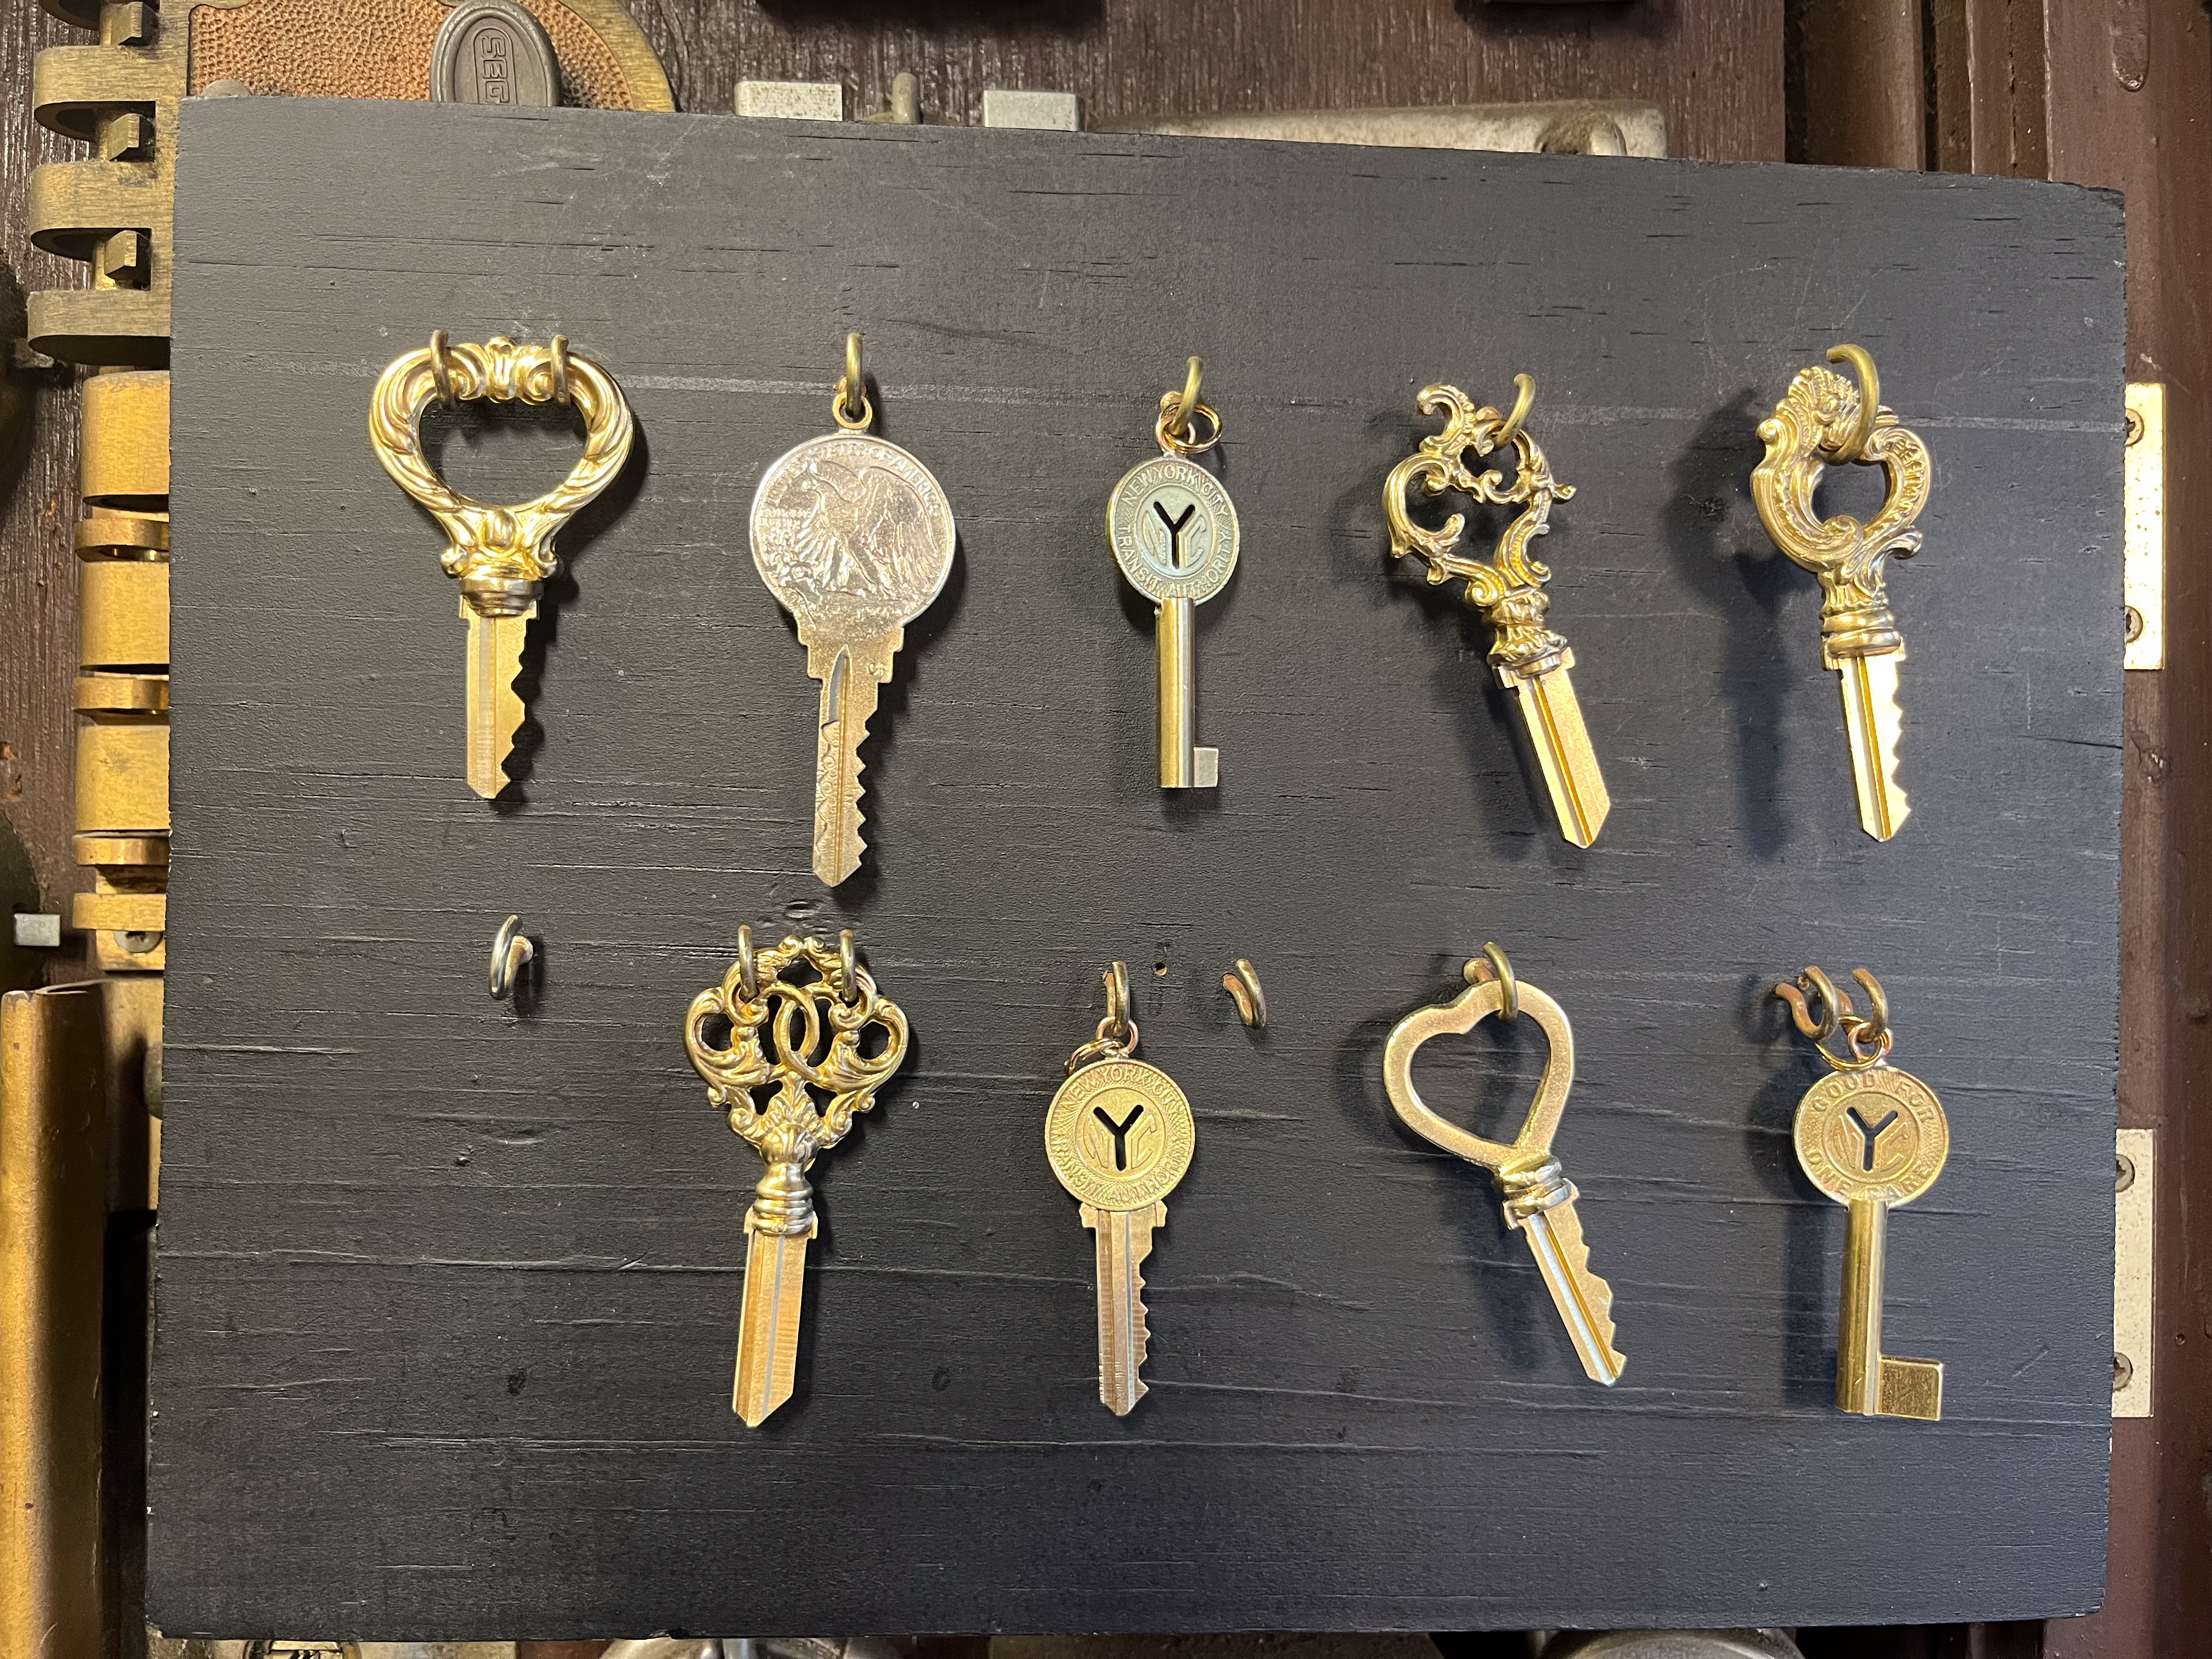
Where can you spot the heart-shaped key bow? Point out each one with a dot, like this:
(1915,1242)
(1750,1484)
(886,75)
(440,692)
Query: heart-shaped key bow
(1538,1198)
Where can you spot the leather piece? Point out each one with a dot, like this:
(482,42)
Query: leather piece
(375,49)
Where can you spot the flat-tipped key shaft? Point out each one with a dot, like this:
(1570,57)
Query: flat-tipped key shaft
(767,1337)
(1553,718)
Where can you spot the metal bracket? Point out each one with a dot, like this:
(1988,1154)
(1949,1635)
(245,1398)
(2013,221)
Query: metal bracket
(2142,579)
(2134,1343)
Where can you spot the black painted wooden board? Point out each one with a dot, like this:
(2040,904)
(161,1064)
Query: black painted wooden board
(448,1293)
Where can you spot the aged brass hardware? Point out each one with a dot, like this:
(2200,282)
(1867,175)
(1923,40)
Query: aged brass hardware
(2134,1259)
(512,951)
(1173,532)
(816,1030)
(76,1144)
(1243,984)
(1528,659)
(502,555)
(1119,1135)
(1538,1197)
(2143,558)
(1873,1139)
(854,538)
(1825,421)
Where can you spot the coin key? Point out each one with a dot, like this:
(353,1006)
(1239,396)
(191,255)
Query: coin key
(1119,1135)
(854,538)
(818,1032)
(502,555)
(1872,1137)
(1173,532)
(1538,1197)
(1530,660)
(1825,420)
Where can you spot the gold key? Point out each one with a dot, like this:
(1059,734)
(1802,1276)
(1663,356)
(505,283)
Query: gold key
(1173,529)
(1825,421)
(854,538)
(1538,1198)
(501,554)
(1119,1135)
(1530,660)
(1873,1139)
(818,1030)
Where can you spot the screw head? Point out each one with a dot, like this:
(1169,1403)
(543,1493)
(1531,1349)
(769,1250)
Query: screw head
(2123,1373)
(2124,1172)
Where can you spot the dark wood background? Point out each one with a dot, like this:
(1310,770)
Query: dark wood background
(487,1269)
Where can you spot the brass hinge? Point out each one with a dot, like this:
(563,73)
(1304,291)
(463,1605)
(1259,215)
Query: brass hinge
(2134,1255)
(2142,578)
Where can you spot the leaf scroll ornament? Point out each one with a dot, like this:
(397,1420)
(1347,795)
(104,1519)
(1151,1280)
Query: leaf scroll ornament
(796,1040)
(1507,587)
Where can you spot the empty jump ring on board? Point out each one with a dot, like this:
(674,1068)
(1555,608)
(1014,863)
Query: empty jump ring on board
(511,951)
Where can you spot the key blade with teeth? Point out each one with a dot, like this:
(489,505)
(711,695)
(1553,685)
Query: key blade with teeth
(495,705)
(1873,722)
(852,674)
(1553,720)
(1584,1300)
(1125,1239)
(767,1337)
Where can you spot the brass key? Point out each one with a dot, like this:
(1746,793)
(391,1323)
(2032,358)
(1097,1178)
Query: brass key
(501,554)
(1538,1198)
(1872,1137)
(1119,1135)
(1530,660)
(1825,421)
(1173,532)
(854,538)
(819,1031)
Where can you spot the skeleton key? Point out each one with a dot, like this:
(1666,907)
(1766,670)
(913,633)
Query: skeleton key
(1873,1139)
(1530,660)
(501,554)
(854,538)
(1119,1135)
(1538,1198)
(1824,421)
(816,1029)
(1173,532)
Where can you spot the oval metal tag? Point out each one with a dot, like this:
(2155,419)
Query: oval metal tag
(494,52)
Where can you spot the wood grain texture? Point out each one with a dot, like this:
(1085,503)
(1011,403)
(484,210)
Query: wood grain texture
(1714,66)
(447,1295)
(2152,144)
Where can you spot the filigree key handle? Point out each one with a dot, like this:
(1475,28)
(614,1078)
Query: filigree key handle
(502,555)
(799,1038)
(1825,421)
(1530,660)
(1872,1137)
(1538,1198)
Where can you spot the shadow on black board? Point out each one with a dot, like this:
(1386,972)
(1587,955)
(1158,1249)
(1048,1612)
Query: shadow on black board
(1487,1092)
(1810,1282)
(1748,582)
